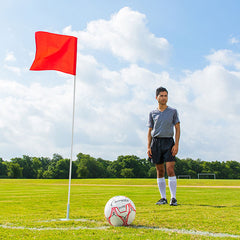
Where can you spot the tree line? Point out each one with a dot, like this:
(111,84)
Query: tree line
(129,166)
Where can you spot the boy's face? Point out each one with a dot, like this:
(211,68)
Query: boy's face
(162,98)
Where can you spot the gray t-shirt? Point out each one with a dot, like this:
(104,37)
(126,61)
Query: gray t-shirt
(162,123)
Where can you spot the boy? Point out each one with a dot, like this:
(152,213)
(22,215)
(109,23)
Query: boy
(161,146)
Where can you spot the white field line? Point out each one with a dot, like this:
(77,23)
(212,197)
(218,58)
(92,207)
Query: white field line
(52,228)
(75,220)
(191,232)
(180,231)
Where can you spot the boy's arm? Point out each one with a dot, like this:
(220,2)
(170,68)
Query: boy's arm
(177,137)
(149,151)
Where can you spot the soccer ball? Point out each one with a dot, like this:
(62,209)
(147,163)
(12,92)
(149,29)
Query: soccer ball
(120,211)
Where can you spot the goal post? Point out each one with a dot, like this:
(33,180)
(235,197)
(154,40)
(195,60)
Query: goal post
(207,174)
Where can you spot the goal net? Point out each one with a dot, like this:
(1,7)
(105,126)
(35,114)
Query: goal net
(206,176)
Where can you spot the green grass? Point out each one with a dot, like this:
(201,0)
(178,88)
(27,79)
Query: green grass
(31,205)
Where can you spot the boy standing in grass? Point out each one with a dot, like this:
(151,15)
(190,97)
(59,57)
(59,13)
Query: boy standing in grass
(161,146)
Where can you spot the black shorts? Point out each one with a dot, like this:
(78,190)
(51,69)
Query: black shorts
(161,150)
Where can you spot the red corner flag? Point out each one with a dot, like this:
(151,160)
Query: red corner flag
(55,52)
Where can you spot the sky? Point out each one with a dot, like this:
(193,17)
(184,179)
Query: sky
(126,49)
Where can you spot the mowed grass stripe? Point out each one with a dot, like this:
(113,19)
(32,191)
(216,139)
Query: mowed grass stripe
(123,181)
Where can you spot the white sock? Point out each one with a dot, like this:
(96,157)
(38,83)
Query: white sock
(162,186)
(172,182)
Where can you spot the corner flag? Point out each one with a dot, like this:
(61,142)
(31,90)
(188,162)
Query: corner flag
(55,52)
(58,52)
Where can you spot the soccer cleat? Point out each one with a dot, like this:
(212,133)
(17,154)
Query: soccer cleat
(173,202)
(162,201)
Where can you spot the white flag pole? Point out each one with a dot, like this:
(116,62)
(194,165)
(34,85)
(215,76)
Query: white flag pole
(70,167)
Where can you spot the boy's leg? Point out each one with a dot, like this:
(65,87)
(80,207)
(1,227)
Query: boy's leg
(161,183)
(172,182)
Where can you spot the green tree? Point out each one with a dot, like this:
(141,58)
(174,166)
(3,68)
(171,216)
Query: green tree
(14,170)
(127,173)
(114,169)
(48,174)
(56,157)
(50,171)
(26,164)
(104,164)
(233,168)
(82,171)
(89,167)
(129,166)
(152,173)
(62,169)
(40,165)
(3,168)
(37,167)
(193,167)
(139,166)
(181,167)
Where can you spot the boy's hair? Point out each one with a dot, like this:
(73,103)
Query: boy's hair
(161,89)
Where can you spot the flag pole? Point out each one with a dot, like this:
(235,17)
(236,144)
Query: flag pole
(70,167)
(46,45)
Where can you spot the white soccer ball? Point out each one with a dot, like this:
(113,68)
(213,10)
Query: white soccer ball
(120,211)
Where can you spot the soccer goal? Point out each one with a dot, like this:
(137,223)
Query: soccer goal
(206,174)
(184,176)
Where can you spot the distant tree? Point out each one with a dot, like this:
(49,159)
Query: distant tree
(180,167)
(206,167)
(145,167)
(152,173)
(14,170)
(89,167)
(48,174)
(127,173)
(3,168)
(104,164)
(139,166)
(40,165)
(216,167)
(194,167)
(26,164)
(82,171)
(36,166)
(129,166)
(44,162)
(50,171)
(233,169)
(188,166)
(114,169)
(62,169)
(56,157)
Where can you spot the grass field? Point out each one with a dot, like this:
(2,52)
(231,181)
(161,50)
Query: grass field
(33,209)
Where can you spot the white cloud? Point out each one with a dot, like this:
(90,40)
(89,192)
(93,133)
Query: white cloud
(112,110)
(225,57)
(10,57)
(31,117)
(13,69)
(234,40)
(126,36)
(211,113)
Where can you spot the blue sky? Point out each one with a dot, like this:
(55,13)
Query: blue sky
(125,50)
